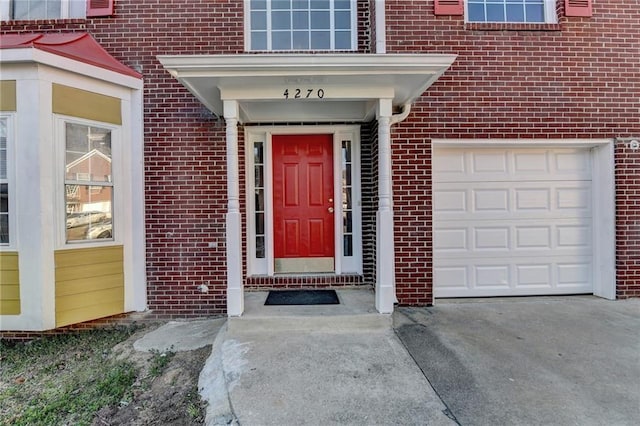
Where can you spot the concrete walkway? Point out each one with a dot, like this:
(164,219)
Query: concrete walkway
(316,365)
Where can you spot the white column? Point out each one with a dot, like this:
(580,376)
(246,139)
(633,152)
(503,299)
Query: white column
(235,290)
(385,252)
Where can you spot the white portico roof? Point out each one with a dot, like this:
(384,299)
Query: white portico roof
(306,87)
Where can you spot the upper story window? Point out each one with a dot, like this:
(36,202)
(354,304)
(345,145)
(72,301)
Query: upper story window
(518,11)
(301,24)
(53,9)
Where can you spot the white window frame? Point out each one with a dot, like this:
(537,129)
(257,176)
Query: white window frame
(61,182)
(550,15)
(342,264)
(11,182)
(65,10)
(247,30)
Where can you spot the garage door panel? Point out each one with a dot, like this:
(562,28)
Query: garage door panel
(496,164)
(513,221)
(519,276)
(518,238)
(518,200)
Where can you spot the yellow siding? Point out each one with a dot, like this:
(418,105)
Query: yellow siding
(8,95)
(9,284)
(81,103)
(89,284)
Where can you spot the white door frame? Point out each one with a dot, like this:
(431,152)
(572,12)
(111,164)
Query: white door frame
(343,264)
(603,197)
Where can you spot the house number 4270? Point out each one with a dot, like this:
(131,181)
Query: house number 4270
(303,93)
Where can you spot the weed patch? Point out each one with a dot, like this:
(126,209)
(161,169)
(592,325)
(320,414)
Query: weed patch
(63,379)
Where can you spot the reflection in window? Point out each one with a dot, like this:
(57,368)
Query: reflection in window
(347,202)
(302,24)
(531,11)
(4,184)
(88,183)
(258,161)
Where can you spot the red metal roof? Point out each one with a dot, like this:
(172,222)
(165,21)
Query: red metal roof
(77,46)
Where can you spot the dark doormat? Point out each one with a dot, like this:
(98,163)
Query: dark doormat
(302,297)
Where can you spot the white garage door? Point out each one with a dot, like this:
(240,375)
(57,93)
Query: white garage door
(512,222)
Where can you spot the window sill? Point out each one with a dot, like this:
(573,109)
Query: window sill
(510,26)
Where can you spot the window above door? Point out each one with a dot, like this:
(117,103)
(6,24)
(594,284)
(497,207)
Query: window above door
(300,25)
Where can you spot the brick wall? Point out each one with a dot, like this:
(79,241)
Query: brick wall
(579,78)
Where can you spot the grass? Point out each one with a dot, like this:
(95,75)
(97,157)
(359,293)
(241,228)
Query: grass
(63,379)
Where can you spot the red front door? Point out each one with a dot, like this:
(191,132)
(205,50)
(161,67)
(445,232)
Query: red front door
(303,203)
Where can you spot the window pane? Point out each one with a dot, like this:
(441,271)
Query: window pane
(495,13)
(515,13)
(88,153)
(281,20)
(342,4)
(281,40)
(348,245)
(300,4)
(258,153)
(259,176)
(258,4)
(258,20)
(281,4)
(320,20)
(88,210)
(300,40)
(301,20)
(319,4)
(476,12)
(343,20)
(260,247)
(259,200)
(260,223)
(320,40)
(347,225)
(259,40)
(343,40)
(535,12)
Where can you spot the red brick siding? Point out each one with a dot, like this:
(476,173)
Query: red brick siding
(627,220)
(577,79)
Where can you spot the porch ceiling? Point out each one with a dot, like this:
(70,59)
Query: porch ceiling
(306,87)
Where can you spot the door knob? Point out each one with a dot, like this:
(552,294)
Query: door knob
(330,209)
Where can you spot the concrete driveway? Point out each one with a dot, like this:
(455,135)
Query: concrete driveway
(530,361)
